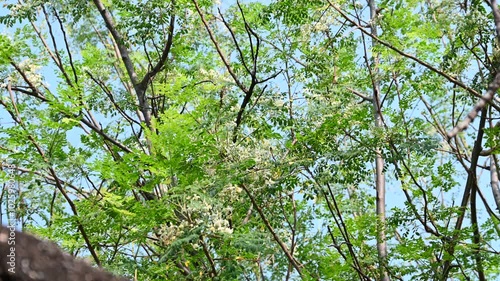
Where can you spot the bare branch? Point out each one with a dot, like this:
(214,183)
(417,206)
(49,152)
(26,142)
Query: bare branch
(166,51)
(111,98)
(483,101)
(65,37)
(496,17)
(213,270)
(406,55)
(361,95)
(140,90)
(495,189)
(56,51)
(470,184)
(298,266)
(219,50)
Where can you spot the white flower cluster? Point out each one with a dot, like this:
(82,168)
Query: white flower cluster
(30,70)
(218,225)
(322,24)
(259,156)
(306,30)
(232,193)
(169,233)
(197,215)
(240,152)
(215,76)
(14,9)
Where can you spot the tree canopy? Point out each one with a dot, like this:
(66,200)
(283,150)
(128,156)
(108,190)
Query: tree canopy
(256,140)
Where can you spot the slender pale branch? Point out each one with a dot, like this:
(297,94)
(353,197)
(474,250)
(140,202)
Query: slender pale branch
(483,101)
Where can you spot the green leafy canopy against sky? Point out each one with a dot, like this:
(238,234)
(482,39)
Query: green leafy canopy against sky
(256,140)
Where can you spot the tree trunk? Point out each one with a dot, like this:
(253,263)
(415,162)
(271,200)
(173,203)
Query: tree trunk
(379,160)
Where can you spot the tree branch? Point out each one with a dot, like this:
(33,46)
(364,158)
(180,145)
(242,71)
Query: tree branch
(140,90)
(483,101)
(419,61)
(164,56)
(219,50)
(282,245)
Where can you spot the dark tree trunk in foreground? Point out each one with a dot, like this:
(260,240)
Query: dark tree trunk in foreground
(26,258)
